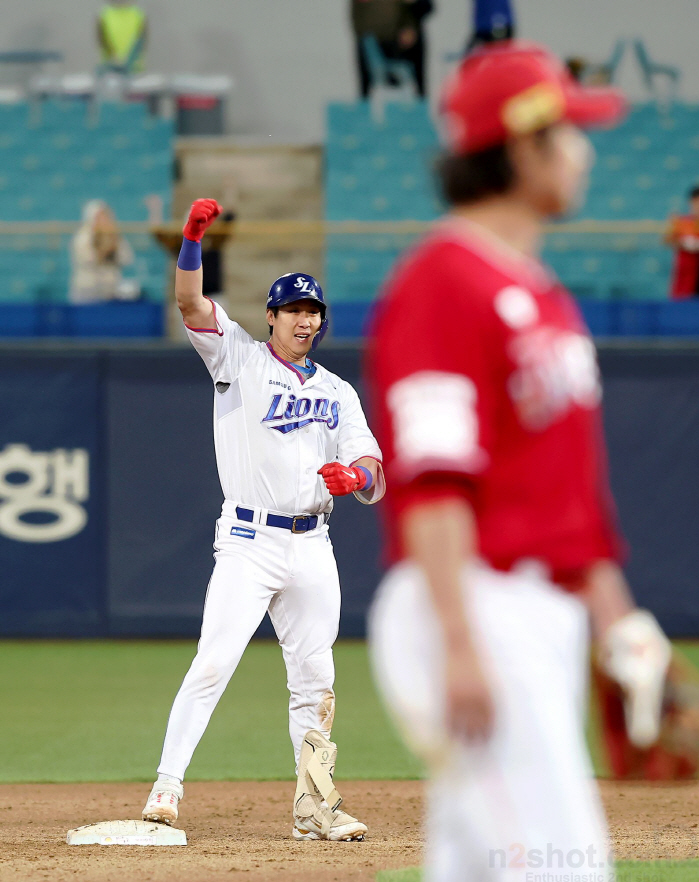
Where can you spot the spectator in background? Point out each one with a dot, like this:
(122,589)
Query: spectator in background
(492,20)
(683,235)
(122,31)
(98,253)
(397,26)
(411,40)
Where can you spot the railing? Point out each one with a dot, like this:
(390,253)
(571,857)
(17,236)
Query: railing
(319,229)
(618,269)
(359,254)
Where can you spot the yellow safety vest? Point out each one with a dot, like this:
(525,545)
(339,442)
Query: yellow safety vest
(122,27)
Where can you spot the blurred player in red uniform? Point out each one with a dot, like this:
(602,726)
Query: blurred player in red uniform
(683,235)
(501,522)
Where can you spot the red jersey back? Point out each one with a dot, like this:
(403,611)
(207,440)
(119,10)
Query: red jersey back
(486,384)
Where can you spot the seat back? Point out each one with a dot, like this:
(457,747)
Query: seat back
(392,79)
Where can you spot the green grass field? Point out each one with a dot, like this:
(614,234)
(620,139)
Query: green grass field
(625,871)
(97,710)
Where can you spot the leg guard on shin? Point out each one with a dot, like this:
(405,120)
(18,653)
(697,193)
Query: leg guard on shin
(317,801)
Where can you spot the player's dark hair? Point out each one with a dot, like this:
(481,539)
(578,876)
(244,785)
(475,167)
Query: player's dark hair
(474,176)
(694,192)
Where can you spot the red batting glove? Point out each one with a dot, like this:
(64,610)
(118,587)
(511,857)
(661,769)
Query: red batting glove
(341,480)
(201,215)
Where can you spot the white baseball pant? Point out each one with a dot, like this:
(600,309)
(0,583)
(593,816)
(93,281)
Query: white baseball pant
(294,576)
(523,806)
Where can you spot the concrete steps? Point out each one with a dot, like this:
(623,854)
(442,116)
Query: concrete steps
(258,183)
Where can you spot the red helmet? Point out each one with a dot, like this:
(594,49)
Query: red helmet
(513,88)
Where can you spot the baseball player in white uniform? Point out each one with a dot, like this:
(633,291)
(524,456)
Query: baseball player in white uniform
(289,435)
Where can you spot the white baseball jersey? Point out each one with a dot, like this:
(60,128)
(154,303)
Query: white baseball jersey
(272,430)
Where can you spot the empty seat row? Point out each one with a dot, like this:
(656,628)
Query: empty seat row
(50,172)
(29,277)
(68,206)
(75,113)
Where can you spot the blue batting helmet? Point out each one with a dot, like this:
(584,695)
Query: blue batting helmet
(297,286)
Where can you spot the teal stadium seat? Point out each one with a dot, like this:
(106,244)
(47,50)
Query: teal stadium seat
(348,117)
(14,127)
(13,143)
(54,161)
(66,114)
(34,274)
(120,116)
(381,173)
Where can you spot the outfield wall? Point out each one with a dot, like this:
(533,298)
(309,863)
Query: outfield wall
(112,451)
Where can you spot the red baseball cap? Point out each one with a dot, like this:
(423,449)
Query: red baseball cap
(514,88)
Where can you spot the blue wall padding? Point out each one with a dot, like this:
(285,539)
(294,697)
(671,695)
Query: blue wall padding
(141,564)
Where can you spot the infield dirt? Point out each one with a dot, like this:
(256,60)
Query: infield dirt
(244,829)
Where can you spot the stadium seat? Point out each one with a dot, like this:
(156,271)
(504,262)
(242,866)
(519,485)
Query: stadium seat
(643,171)
(14,116)
(652,70)
(54,158)
(382,68)
(66,114)
(120,116)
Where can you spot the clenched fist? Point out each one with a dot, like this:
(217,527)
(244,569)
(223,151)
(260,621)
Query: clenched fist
(201,215)
(341,480)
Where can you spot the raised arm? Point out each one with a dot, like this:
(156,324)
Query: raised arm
(197,311)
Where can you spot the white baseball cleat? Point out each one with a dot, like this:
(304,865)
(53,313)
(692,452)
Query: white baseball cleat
(163,801)
(334,826)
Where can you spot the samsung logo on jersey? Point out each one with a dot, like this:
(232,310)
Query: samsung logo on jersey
(300,412)
(278,383)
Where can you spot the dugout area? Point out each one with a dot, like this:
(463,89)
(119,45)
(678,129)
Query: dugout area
(83,723)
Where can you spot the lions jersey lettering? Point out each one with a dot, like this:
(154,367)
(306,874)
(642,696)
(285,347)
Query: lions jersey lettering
(320,410)
(257,467)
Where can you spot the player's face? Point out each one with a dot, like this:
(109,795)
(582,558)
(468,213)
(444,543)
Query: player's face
(553,167)
(694,206)
(294,326)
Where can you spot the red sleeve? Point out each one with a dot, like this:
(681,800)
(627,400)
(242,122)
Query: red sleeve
(433,361)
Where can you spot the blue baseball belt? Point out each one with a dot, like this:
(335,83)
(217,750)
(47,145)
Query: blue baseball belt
(297,524)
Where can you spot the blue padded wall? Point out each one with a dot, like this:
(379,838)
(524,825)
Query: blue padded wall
(141,562)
